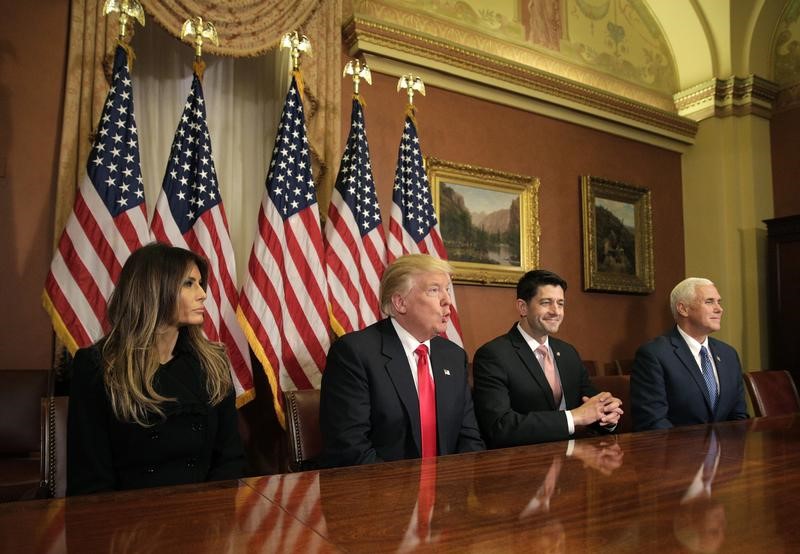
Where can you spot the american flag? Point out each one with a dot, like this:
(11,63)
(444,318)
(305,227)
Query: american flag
(413,227)
(107,223)
(284,301)
(189,213)
(356,245)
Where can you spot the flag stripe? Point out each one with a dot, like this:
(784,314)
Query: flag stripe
(64,318)
(93,238)
(296,332)
(363,268)
(88,290)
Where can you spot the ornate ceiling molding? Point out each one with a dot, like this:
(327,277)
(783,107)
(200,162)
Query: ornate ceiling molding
(363,36)
(737,96)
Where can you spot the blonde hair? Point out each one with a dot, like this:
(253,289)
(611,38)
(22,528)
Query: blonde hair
(144,300)
(684,292)
(397,277)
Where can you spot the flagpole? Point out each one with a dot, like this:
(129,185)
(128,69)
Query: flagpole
(358,72)
(127,10)
(198,31)
(298,45)
(411,83)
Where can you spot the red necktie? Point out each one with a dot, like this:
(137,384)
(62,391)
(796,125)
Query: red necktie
(427,402)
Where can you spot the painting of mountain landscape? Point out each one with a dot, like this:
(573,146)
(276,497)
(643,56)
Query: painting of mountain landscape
(480,225)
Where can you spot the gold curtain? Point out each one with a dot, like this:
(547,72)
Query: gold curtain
(245,28)
(92,38)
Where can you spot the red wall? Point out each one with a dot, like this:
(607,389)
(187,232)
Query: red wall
(32,66)
(785,162)
(462,129)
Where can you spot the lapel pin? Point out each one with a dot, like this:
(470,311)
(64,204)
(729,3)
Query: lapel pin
(718,359)
(558,353)
(447,372)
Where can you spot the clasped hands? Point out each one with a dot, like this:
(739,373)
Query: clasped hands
(601,408)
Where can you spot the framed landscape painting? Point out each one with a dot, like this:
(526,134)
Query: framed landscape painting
(488,219)
(617,237)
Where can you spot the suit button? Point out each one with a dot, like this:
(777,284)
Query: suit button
(155,435)
(190,463)
(197,427)
(150,469)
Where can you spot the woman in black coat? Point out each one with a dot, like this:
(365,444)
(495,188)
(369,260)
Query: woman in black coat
(152,402)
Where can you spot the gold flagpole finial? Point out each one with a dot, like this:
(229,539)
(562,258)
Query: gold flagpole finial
(127,9)
(359,72)
(200,30)
(411,83)
(298,44)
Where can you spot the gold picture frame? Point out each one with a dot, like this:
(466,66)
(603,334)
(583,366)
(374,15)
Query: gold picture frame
(505,244)
(617,237)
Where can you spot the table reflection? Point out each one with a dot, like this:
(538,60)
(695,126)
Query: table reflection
(689,482)
(510,501)
(721,488)
(133,525)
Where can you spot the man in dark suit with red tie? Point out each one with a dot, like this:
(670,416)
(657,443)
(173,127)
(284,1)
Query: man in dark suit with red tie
(396,389)
(686,377)
(531,387)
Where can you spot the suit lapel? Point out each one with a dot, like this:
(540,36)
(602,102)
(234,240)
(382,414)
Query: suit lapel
(685,356)
(531,364)
(725,387)
(442,373)
(400,374)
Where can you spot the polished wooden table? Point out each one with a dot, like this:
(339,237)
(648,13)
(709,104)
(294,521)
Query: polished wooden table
(732,487)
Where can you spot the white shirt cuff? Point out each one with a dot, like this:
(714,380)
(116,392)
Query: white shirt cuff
(570,423)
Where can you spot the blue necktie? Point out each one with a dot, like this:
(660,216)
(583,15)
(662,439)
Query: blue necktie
(708,376)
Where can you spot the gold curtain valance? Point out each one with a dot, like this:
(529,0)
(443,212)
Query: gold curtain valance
(245,27)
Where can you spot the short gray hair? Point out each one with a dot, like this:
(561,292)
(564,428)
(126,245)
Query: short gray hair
(684,292)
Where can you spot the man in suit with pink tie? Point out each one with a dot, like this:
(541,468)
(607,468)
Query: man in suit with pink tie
(531,387)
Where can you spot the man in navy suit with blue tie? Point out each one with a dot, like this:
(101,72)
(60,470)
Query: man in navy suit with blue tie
(686,377)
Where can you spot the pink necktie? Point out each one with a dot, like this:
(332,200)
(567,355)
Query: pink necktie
(427,403)
(550,373)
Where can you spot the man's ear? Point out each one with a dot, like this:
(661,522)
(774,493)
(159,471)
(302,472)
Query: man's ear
(682,309)
(399,304)
(522,307)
